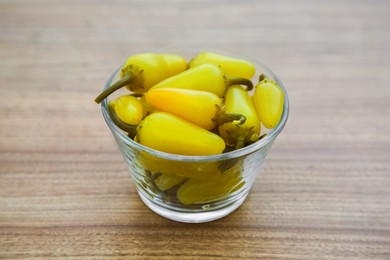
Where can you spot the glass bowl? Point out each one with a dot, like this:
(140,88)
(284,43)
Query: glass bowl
(195,189)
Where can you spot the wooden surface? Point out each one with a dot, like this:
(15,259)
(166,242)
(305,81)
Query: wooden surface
(324,192)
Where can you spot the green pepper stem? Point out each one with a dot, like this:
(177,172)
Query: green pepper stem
(114,87)
(262,77)
(226,117)
(137,95)
(240,142)
(242,136)
(131,129)
(240,81)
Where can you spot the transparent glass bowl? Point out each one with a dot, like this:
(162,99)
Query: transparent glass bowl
(195,189)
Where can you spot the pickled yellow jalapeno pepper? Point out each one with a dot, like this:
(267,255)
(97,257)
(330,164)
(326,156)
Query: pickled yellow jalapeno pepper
(268,100)
(167,181)
(129,109)
(142,71)
(230,65)
(130,129)
(199,191)
(147,107)
(237,100)
(202,108)
(168,133)
(193,170)
(206,77)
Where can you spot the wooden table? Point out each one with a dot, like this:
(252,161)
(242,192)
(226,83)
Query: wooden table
(323,192)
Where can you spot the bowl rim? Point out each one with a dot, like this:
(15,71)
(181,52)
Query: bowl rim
(269,138)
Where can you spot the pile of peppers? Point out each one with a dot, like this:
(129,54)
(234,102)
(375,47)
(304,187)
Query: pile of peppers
(199,108)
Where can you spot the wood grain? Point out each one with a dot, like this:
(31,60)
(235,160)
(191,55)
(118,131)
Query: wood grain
(323,192)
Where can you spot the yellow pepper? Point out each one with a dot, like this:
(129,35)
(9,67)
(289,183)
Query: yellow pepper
(200,191)
(130,129)
(230,65)
(142,71)
(202,108)
(167,181)
(147,107)
(235,134)
(194,170)
(268,100)
(168,133)
(129,109)
(206,77)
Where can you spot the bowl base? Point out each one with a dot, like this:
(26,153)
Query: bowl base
(191,217)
